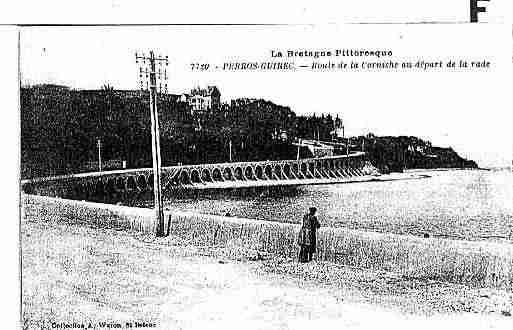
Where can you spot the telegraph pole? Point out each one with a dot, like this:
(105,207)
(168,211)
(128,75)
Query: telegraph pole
(230,147)
(99,155)
(148,70)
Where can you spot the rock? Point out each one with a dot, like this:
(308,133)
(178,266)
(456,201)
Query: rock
(506,313)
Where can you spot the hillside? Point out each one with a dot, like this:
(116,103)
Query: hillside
(394,154)
(61,127)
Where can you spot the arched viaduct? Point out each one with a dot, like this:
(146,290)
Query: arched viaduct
(89,186)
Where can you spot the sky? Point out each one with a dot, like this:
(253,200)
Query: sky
(468,111)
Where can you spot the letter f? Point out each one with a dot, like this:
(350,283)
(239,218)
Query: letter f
(475,10)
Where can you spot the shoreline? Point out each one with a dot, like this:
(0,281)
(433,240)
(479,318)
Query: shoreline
(416,175)
(439,169)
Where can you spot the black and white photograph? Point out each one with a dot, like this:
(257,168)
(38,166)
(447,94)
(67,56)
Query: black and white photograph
(352,174)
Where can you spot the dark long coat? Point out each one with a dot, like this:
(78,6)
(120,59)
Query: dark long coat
(308,232)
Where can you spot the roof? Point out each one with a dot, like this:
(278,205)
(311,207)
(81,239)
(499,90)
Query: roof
(209,91)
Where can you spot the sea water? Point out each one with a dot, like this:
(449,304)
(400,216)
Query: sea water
(461,204)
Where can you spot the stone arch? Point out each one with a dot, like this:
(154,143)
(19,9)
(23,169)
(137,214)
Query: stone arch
(345,170)
(206,176)
(217,175)
(278,171)
(321,167)
(195,176)
(239,175)
(259,172)
(249,173)
(354,170)
(329,169)
(28,188)
(304,170)
(296,171)
(311,167)
(350,171)
(150,181)
(131,183)
(269,172)
(184,178)
(287,171)
(318,169)
(141,182)
(295,168)
(338,168)
(227,173)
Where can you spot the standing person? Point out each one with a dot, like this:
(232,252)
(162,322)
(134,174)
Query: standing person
(307,239)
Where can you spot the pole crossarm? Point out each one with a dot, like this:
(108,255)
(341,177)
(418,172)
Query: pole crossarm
(148,73)
(149,58)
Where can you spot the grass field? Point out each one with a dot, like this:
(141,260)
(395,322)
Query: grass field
(79,275)
(476,264)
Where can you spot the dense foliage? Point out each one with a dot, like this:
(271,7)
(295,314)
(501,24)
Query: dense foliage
(394,154)
(60,129)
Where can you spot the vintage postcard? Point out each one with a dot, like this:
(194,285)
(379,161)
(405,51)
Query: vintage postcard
(350,175)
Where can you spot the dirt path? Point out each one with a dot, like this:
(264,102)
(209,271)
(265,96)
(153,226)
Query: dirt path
(74,275)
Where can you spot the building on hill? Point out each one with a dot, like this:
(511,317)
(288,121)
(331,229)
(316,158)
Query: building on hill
(204,99)
(338,131)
